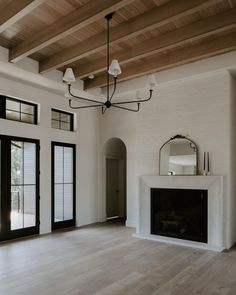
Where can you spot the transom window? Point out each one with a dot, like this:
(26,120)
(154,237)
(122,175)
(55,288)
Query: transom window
(62,120)
(18,110)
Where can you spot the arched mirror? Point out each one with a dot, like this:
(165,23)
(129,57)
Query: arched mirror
(178,156)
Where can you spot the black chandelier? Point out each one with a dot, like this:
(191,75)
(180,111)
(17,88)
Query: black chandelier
(114,70)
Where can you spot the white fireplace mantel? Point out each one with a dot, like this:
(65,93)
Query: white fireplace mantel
(214,186)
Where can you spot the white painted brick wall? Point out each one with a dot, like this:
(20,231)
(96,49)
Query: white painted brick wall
(198,108)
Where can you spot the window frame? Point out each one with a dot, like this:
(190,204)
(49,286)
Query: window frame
(7,233)
(69,222)
(3,109)
(71,115)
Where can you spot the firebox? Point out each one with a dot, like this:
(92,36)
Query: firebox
(179,213)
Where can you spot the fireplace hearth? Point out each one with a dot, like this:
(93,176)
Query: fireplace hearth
(179,213)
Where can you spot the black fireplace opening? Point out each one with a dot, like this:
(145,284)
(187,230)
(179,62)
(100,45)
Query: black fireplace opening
(179,213)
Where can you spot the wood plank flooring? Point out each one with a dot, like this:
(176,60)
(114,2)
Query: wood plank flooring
(106,260)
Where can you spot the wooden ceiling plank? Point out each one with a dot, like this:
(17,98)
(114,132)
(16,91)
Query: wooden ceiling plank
(16,10)
(65,26)
(181,56)
(192,32)
(152,19)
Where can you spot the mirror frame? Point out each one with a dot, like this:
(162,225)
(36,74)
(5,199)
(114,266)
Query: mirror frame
(178,136)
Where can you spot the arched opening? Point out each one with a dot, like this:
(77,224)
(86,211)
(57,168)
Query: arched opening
(115,179)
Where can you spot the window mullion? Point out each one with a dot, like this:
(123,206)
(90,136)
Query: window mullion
(63,169)
(57,116)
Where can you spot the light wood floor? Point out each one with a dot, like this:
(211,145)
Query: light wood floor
(106,260)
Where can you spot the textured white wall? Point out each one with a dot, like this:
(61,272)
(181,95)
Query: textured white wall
(116,123)
(198,108)
(85,138)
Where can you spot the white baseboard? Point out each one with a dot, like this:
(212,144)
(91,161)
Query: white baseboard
(102,219)
(179,242)
(130,223)
(88,222)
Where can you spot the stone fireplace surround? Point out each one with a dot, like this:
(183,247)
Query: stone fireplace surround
(214,186)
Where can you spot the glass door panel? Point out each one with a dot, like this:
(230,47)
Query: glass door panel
(20,192)
(63,185)
(23,184)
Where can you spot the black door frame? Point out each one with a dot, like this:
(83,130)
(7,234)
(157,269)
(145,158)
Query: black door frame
(70,222)
(5,206)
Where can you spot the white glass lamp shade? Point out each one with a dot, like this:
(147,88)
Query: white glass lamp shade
(69,76)
(114,68)
(151,81)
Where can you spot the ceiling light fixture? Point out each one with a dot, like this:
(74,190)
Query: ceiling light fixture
(114,70)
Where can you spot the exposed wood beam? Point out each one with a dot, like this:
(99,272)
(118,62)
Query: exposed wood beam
(72,22)
(152,19)
(189,33)
(15,10)
(230,3)
(175,58)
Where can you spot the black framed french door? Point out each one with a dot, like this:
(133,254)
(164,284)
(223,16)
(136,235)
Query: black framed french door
(63,185)
(19,187)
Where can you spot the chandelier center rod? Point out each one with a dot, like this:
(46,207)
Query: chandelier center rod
(108,17)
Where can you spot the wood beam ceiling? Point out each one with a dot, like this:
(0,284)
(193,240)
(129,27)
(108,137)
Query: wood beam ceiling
(180,56)
(152,19)
(16,10)
(192,32)
(72,22)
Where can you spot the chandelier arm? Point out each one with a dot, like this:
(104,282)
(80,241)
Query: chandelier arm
(127,109)
(134,101)
(83,107)
(114,89)
(82,98)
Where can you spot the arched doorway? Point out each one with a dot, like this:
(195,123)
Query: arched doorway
(115,179)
